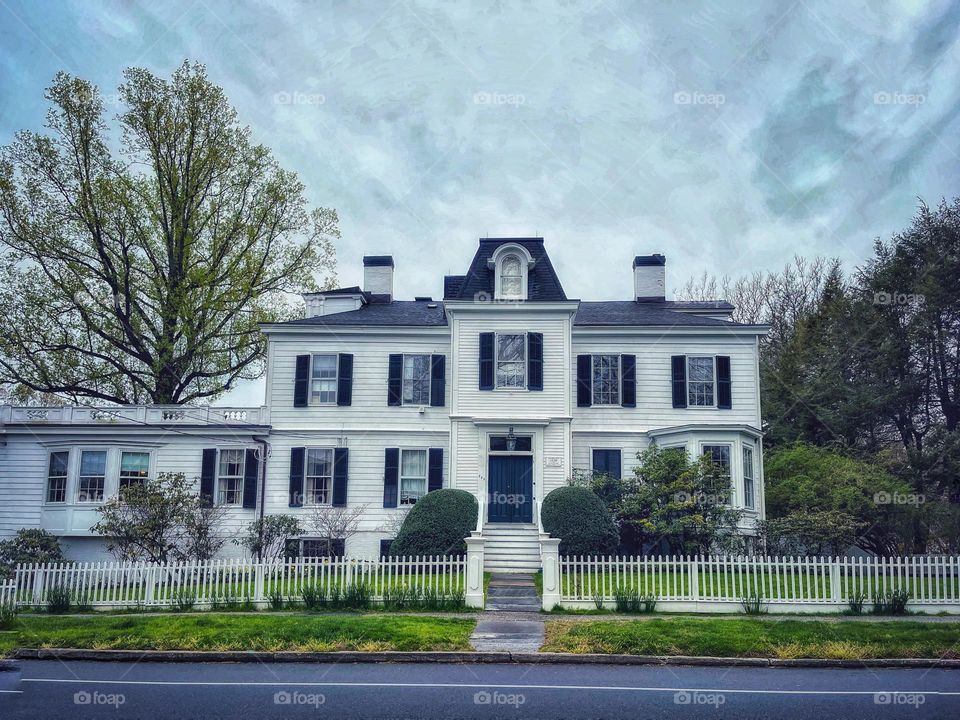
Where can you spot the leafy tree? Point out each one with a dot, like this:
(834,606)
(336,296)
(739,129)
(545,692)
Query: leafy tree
(830,533)
(266,537)
(159,520)
(141,273)
(29,545)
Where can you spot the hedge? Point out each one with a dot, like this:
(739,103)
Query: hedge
(437,524)
(579,518)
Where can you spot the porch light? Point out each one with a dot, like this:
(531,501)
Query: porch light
(511,441)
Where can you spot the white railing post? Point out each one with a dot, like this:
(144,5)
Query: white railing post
(835,579)
(694,575)
(38,577)
(550,565)
(258,583)
(474,590)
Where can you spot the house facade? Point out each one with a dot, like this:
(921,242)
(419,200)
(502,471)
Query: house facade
(505,388)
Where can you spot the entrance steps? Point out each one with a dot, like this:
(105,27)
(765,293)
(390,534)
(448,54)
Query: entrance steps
(511,548)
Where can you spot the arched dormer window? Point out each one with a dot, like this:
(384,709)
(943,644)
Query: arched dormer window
(511,277)
(511,263)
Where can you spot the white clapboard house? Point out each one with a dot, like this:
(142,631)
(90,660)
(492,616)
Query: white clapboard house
(505,388)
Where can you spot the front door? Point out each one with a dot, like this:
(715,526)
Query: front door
(510,489)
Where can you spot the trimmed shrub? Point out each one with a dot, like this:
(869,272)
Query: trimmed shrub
(579,518)
(29,545)
(437,524)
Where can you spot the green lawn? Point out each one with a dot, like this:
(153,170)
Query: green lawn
(755,638)
(216,631)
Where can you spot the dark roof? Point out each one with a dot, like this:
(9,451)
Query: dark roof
(354,290)
(396,313)
(542,282)
(649,260)
(630,312)
(378,260)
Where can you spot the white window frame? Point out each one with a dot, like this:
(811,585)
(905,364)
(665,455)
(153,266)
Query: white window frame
(713,382)
(521,293)
(239,478)
(524,362)
(307,495)
(593,384)
(400,475)
(752,466)
(106,472)
(139,451)
(66,480)
(403,379)
(315,400)
(606,448)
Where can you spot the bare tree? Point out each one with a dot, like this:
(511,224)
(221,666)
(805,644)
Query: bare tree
(335,523)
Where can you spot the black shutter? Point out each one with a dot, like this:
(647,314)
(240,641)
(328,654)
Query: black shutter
(341,460)
(678,366)
(724,396)
(438,380)
(344,379)
(208,476)
(486,360)
(385,547)
(435,471)
(628,381)
(251,475)
(535,361)
(395,380)
(584,383)
(391,476)
(301,381)
(296,476)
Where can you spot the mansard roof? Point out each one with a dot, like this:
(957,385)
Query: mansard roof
(542,281)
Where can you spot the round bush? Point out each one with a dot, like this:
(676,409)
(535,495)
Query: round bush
(437,524)
(579,518)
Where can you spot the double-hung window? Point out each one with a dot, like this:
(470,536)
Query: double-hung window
(511,277)
(57,477)
(319,476)
(413,476)
(230,477)
(511,360)
(606,461)
(700,382)
(720,456)
(748,500)
(323,380)
(93,473)
(416,379)
(606,379)
(134,468)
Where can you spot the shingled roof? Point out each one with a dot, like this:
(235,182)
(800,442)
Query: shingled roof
(542,282)
(419,313)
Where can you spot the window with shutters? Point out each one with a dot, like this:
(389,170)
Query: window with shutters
(230,477)
(134,468)
(748,471)
(511,360)
(413,475)
(92,476)
(701,380)
(416,380)
(318,479)
(606,379)
(323,380)
(57,476)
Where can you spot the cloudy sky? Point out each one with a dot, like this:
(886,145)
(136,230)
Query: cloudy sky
(728,139)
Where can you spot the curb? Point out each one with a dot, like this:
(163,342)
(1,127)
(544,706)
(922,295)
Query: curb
(458,657)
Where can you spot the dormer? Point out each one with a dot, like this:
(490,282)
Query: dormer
(511,264)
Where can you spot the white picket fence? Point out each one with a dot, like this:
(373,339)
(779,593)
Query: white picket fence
(115,585)
(796,584)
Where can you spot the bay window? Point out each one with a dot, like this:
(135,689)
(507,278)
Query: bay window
(92,476)
(57,476)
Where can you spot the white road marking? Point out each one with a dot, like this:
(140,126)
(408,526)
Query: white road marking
(617,688)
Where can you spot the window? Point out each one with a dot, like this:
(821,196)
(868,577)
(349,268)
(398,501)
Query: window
(230,477)
(321,547)
(511,277)
(748,477)
(700,381)
(57,477)
(93,472)
(319,476)
(413,475)
(416,379)
(719,456)
(607,461)
(606,379)
(134,468)
(323,380)
(511,361)
(498,443)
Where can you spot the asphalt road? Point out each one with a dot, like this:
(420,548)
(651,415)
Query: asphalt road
(55,689)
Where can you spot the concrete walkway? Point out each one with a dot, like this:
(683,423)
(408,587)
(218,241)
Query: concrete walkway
(510,622)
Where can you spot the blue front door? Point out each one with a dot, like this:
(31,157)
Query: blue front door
(510,488)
